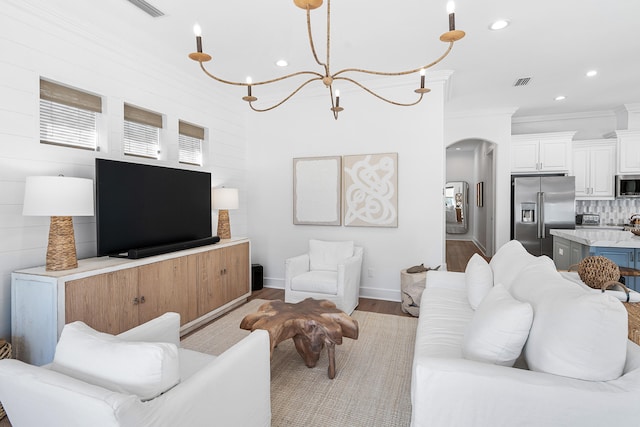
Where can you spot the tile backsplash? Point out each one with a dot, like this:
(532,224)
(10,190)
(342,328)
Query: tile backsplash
(616,211)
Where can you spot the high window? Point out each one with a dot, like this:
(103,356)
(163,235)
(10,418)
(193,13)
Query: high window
(141,132)
(190,138)
(68,116)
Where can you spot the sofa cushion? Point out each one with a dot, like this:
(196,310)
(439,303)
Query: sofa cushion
(510,259)
(140,368)
(478,279)
(499,328)
(324,255)
(324,282)
(575,333)
(444,316)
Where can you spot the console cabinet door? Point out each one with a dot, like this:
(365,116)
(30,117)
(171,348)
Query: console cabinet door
(223,275)
(209,281)
(168,286)
(235,278)
(106,302)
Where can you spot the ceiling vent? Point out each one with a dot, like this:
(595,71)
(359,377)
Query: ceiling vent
(523,81)
(146,7)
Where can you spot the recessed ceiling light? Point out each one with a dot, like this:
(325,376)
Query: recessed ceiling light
(592,73)
(500,24)
(282,63)
(561,98)
(458,148)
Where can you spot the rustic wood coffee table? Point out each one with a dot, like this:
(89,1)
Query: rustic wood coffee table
(311,323)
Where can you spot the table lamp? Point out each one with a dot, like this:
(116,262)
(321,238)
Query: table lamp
(224,199)
(60,198)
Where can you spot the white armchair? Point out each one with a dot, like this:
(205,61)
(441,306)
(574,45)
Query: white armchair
(331,271)
(107,389)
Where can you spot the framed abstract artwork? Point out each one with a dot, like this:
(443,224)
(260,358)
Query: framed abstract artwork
(316,190)
(370,190)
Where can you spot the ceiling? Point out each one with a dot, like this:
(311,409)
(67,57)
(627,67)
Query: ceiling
(553,42)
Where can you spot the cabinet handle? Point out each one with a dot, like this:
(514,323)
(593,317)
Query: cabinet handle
(142,300)
(136,301)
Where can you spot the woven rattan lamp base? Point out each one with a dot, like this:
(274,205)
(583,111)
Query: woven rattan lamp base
(61,251)
(5,353)
(224,228)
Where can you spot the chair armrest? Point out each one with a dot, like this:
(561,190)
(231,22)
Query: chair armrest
(294,267)
(233,389)
(165,328)
(349,273)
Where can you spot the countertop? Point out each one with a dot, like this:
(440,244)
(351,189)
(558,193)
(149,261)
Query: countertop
(600,237)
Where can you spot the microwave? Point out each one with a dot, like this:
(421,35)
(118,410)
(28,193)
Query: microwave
(628,186)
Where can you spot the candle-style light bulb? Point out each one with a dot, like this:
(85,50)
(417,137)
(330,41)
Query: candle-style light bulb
(422,74)
(451,10)
(198,32)
(249,81)
(337,98)
(451,7)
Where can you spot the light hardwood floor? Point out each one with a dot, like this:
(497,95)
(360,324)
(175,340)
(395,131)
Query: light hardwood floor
(458,254)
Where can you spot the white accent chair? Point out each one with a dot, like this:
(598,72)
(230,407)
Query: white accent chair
(331,271)
(196,389)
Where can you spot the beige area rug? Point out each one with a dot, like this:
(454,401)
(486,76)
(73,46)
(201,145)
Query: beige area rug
(373,373)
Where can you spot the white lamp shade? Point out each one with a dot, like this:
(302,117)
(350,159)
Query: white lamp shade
(58,196)
(225,198)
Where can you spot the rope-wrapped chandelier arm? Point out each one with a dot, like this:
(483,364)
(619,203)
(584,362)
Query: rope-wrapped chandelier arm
(325,76)
(262,110)
(399,73)
(313,46)
(264,82)
(361,86)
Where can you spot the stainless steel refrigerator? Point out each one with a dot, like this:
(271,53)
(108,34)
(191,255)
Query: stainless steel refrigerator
(540,204)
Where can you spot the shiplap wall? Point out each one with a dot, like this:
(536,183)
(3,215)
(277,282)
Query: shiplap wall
(38,43)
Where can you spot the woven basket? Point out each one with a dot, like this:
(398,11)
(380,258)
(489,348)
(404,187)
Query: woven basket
(597,270)
(5,353)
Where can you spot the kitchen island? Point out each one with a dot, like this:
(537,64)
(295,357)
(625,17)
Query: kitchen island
(620,246)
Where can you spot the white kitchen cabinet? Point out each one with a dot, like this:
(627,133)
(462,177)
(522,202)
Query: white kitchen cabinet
(594,169)
(628,151)
(541,152)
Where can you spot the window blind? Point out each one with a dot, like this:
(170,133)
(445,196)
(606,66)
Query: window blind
(68,116)
(190,138)
(141,132)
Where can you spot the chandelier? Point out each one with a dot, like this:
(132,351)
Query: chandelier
(326,76)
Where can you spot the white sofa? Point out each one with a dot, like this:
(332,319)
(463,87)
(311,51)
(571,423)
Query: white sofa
(577,367)
(232,389)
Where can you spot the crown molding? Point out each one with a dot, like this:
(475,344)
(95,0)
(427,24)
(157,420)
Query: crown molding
(563,117)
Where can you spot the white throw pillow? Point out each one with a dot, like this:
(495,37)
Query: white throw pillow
(499,329)
(478,279)
(575,333)
(140,368)
(510,259)
(325,255)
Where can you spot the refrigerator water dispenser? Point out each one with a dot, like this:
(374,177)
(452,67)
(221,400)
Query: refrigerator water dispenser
(528,212)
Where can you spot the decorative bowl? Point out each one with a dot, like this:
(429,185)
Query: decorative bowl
(635,231)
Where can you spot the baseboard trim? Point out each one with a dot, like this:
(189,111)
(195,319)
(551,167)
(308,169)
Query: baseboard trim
(372,293)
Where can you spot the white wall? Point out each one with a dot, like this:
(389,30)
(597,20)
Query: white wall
(305,128)
(35,43)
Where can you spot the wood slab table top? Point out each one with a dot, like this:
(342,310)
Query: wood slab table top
(311,323)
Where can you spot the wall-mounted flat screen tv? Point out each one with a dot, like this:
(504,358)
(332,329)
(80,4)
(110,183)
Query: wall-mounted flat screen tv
(141,207)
